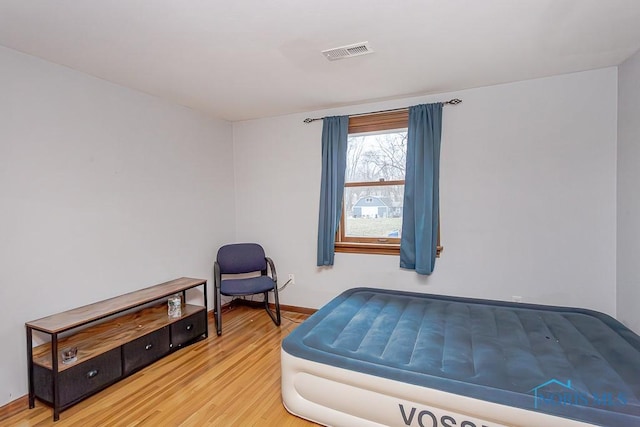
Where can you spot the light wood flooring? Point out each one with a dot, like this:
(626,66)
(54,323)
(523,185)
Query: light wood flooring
(231,380)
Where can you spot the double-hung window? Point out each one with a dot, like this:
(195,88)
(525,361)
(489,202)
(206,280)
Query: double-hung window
(371,220)
(372,204)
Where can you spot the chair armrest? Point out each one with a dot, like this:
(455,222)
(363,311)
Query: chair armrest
(272,267)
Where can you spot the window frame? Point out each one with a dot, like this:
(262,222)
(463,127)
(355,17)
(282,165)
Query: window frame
(374,122)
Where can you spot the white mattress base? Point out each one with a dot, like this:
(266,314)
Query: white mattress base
(338,397)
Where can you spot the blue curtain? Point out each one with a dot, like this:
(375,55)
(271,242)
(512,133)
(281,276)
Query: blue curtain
(421,191)
(334,161)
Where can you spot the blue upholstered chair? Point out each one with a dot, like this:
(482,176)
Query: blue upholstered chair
(240,259)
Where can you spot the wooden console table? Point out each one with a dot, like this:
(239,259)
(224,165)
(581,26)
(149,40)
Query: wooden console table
(111,343)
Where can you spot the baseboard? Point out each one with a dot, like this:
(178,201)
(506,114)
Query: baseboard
(14,407)
(295,309)
(260,304)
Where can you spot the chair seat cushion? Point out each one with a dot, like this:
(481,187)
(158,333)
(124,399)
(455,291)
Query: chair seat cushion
(253,285)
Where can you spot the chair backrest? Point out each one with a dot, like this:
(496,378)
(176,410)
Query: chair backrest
(241,258)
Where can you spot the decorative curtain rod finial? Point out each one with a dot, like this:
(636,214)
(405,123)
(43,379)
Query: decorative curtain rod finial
(454,101)
(308,120)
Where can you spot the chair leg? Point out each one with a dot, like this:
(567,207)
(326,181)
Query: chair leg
(276,302)
(218,312)
(217,294)
(275,317)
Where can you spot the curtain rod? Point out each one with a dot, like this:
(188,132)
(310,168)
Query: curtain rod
(453,101)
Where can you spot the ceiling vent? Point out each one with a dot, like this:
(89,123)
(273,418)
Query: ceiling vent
(349,51)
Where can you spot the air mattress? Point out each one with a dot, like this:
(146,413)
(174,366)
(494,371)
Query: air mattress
(378,357)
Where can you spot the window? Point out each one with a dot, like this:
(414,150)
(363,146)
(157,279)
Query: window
(371,220)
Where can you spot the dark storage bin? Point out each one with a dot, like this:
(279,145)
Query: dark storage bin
(80,381)
(145,350)
(188,329)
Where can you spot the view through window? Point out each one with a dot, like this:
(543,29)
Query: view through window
(374,186)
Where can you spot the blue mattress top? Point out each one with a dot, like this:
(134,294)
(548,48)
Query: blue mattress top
(569,362)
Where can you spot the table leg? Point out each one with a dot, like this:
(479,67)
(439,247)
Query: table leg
(32,395)
(54,372)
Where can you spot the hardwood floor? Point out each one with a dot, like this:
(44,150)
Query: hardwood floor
(231,380)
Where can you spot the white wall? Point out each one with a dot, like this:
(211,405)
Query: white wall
(527,196)
(628,273)
(104,190)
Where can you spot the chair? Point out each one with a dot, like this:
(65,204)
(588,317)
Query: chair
(240,259)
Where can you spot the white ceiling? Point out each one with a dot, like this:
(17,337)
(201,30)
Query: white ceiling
(256,58)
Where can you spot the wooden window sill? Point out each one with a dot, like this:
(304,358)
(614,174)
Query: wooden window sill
(374,249)
(368,248)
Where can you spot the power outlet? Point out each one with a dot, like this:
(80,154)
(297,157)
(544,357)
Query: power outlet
(292,279)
